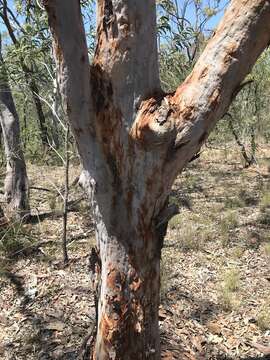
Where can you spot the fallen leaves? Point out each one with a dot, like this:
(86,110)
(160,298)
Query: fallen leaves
(60,307)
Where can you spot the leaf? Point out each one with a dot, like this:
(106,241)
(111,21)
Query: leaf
(214,328)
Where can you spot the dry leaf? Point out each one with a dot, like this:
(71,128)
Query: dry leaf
(214,328)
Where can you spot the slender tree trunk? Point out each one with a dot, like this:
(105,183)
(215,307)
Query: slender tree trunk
(134,140)
(55,114)
(248,160)
(37,102)
(16,182)
(66,195)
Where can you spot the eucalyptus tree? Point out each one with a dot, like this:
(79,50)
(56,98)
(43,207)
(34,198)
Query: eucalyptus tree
(16,181)
(134,139)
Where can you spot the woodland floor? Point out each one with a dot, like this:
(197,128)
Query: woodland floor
(215,267)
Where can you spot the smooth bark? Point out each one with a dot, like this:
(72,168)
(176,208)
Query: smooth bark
(134,139)
(55,115)
(16,181)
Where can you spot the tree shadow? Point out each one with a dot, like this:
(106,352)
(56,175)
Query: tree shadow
(36,219)
(40,333)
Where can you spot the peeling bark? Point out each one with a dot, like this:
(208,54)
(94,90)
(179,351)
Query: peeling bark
(134,139)
(16,182)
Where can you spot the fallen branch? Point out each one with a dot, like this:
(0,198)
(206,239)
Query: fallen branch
(261,348)
(40,188)
(32,247)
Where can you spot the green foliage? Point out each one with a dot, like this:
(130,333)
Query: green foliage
(181,39)
(29,60)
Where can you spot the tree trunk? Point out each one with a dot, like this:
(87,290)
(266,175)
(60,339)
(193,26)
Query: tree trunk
(37,102)
(55,115)
(16,182)
(129,296)
(134,140)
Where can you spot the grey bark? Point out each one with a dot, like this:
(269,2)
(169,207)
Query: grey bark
(134,140)
(16,181)
(55,115)
(249,160)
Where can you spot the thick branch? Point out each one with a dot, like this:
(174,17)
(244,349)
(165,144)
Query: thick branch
(229,56)
(181,123)
(71,55)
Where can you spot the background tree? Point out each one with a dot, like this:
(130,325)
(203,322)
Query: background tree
(16,182)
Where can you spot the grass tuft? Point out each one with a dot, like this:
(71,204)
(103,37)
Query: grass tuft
(16,238)
(263,317)
(230,285)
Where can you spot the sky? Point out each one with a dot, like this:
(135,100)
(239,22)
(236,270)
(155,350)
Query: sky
(211,24)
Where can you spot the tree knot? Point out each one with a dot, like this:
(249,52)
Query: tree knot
(154,125)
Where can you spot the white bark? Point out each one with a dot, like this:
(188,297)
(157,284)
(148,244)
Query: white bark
(55,108)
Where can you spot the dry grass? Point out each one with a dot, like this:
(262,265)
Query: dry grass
(263,317)
(230,281)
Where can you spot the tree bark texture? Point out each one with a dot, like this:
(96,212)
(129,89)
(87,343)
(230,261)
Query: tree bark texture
(16,181)
(134,140)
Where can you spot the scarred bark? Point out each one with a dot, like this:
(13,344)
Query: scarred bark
(134,140)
